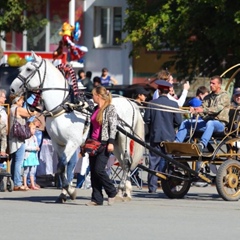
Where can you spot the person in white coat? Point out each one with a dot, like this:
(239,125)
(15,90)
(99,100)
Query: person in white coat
(165,75)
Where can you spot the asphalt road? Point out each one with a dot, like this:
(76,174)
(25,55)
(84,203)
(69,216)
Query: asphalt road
(202,214)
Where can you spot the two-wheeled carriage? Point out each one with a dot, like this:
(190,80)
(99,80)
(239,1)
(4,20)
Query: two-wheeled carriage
(186,164)
(218,165)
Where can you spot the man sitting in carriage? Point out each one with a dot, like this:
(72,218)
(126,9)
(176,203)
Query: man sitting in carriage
(214,113)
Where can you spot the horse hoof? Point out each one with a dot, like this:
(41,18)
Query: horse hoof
(61,199)
(73,195)
(119,198)
(126,198)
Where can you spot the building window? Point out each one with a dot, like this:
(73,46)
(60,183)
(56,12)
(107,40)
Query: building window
(36,37)
(107,28)
(44,39)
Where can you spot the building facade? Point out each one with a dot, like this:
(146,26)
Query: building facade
(100,22)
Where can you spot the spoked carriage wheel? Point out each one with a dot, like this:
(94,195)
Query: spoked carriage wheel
(228,180)
(176,187)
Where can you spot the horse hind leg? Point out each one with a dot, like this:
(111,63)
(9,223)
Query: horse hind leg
(122,185)
(124,190)
(125,186)
(128,190)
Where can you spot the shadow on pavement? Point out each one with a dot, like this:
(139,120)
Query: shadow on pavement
(189,196)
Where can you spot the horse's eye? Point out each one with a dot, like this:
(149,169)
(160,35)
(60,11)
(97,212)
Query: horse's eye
(29,69)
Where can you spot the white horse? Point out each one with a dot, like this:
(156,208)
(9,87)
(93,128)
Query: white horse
(68,129)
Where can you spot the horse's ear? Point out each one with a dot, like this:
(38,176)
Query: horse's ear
(35,57)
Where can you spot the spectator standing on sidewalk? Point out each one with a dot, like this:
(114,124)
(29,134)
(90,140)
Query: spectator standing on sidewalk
(31,162)
(106,79)
(86,82)
(17,146)
(3,124)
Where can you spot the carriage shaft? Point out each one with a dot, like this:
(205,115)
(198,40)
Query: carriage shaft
(167,158)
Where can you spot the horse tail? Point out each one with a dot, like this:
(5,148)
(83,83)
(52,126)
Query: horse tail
(132,123)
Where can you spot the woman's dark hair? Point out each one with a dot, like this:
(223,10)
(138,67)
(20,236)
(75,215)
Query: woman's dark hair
(97,79)
(104,70)
(89,74)
(80,71)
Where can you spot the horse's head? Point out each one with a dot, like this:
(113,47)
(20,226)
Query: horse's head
(31,76)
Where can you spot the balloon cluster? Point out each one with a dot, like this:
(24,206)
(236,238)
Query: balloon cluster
(14,60)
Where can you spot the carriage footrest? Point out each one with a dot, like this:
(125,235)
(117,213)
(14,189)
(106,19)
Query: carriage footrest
(182,149)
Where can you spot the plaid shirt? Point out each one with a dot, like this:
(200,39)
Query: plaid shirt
(216,107)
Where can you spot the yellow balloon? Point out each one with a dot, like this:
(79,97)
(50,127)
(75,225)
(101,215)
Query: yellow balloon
(13,60)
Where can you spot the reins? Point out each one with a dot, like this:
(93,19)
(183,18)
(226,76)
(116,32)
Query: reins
(160,106)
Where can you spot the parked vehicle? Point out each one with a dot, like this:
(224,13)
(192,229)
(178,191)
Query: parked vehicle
(129,90)
(7,75)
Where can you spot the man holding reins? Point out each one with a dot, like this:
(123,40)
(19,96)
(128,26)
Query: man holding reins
(214,114)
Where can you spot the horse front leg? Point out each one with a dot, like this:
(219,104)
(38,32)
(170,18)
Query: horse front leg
(66,187)
(61,168)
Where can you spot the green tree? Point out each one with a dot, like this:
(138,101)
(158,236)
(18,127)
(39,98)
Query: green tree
(204,33)
(13,17)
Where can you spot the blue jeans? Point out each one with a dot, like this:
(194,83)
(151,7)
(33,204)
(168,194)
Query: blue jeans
(81,178)
(69,169)
(71,165)
(16,165)
(208,128)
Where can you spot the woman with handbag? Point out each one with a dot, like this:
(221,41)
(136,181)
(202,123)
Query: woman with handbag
(16,144)
(103,129)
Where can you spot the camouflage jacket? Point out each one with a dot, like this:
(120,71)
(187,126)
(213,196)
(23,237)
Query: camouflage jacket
(216,107)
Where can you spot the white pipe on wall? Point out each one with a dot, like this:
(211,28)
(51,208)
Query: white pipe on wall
(71,12)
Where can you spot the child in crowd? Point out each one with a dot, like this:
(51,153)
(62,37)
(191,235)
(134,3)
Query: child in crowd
(31,158)
(201,93)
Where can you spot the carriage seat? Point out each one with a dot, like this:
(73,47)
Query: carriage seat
(231,129)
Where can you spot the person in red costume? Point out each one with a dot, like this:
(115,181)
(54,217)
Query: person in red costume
(69,33)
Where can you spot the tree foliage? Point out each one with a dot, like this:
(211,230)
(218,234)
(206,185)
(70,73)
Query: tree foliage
(13,17)
(204,33)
